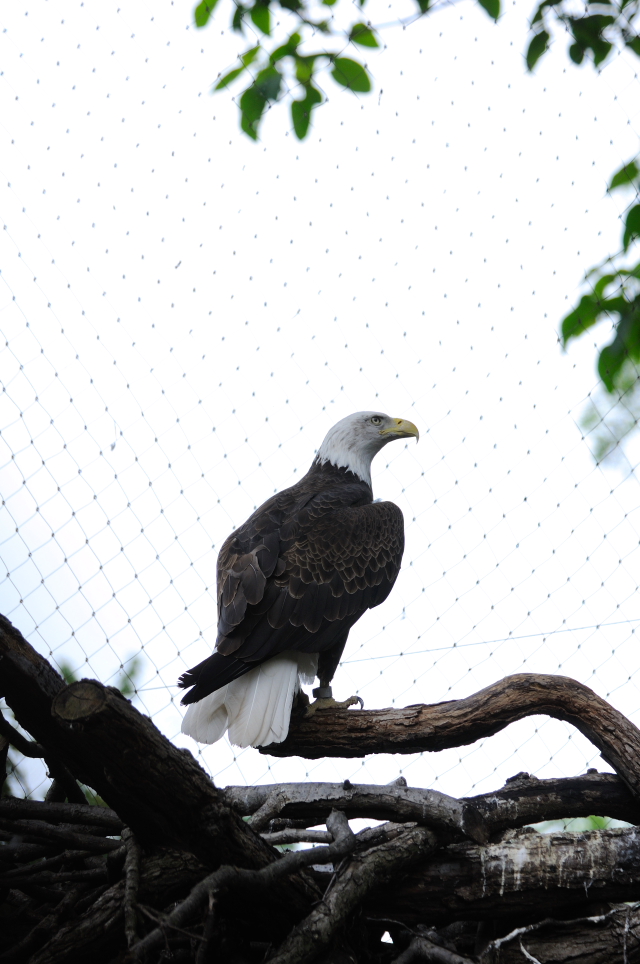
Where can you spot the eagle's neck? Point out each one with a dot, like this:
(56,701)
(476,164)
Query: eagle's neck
(342,450)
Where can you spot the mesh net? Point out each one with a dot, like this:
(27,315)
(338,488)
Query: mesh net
(185,313)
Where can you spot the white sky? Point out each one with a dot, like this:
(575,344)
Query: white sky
(186,313)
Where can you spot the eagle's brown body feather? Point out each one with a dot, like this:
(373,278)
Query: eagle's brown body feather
(298,574)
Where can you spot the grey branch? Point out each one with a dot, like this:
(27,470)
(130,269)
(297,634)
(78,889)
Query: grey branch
(315,800)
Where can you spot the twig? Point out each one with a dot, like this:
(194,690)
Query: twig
(132,884)
(57,770)
(225,877)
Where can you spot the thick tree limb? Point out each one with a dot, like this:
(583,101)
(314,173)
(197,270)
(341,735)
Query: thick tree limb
(343,843)
(363,873)
(527,875)
(354,733)
(429,807)
(108,745)
(612,938)
(522,801)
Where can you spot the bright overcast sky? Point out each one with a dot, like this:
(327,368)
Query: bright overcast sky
(187,312)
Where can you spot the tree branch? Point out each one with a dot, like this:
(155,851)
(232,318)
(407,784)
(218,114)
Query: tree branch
(523,800)
(354,733)
(362,874)
(394,801)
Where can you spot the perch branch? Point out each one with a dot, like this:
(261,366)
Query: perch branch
(354,733)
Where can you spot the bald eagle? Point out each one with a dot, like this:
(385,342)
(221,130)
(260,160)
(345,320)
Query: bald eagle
(292,581)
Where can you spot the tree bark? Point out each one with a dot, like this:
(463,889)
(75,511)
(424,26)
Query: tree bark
(354,733)
(527,877)
(611,938)
(522,801)
(157,790)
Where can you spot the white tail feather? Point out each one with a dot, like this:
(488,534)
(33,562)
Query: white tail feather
(256,708)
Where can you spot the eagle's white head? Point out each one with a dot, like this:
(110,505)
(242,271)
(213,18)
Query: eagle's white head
(354,440)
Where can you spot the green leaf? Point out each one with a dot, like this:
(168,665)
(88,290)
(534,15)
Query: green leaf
(351,74)
(304,69)
(634,43)
(261,16)
(246,59)
(301,111)
(603,283)
(291,4)
(203,11)
(252,105)
(229,78)
(581,318)
(588,36)
(363,35)
(631,226)
(625,176)
(537,47)
(268,82)
(329,3)
(424,5)
(539,14)
(492,7)
(287,49)
(236,22)
(576,53)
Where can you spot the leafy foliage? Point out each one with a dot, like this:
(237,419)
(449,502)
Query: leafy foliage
(596,31)
(297,72)
(615,295)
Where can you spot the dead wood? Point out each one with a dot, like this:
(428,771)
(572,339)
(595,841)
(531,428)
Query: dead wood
(609,938)
(522,801)
(354,733)
(373,869)
(395,801)
(157,790)
(528,876)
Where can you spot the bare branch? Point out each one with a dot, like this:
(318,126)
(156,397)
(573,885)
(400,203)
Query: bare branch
(62,813)
(361,875)
(227,877)
(354,733)
(394,801)
(45,831)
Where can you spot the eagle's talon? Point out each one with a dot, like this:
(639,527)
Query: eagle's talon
(328,703)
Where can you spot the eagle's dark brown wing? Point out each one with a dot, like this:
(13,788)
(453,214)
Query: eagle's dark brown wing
(299,573)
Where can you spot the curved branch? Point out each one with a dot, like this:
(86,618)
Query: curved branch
(354,733)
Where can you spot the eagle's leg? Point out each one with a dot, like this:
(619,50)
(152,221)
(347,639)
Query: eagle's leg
(327,665)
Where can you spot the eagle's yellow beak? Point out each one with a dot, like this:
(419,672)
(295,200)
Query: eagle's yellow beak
(401,428)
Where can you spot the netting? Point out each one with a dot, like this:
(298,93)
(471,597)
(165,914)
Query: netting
(185,313)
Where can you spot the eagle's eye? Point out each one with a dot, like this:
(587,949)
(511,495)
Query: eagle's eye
(376,420)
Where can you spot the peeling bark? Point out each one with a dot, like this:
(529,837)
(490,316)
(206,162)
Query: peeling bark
(528,876)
